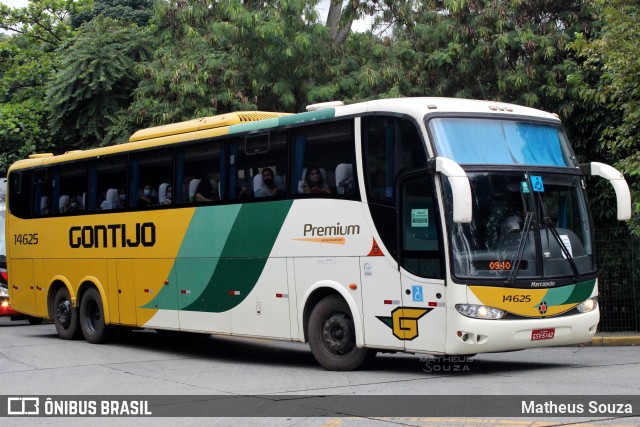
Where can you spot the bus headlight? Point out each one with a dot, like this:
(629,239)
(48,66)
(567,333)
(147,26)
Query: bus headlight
(588,305)
(480,311)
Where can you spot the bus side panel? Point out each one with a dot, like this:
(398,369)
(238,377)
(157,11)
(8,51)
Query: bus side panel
(194,275)
(265,311)
(21,286)
(126,301)
(380,298)
(425,307)
(112,291)
(41,288)
(152,276)
(341,270)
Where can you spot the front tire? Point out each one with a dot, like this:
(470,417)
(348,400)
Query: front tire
(65,316)
(92,323)
(332,336)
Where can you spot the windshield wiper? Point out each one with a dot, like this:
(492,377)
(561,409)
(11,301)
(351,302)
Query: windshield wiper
(523,241)
(563,247)
(551,228)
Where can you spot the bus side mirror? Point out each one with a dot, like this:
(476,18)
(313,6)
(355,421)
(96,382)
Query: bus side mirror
(623,195)
(460,188)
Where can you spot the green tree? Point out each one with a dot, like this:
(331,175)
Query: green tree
(138,12)
(224,55)
(43,20)
(608,80)
(24,67)
(95,82)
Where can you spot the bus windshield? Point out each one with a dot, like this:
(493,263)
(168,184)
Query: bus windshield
(500,142)
(499,244)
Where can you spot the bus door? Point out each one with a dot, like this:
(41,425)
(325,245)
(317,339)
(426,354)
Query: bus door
(422,323)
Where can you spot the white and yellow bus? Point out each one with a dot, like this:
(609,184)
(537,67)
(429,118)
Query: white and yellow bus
(426,225)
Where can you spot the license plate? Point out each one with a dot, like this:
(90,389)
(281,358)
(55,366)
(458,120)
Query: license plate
(542,334)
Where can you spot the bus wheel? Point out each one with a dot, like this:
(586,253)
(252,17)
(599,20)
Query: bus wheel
(65,317)
(332,336)
(92,318)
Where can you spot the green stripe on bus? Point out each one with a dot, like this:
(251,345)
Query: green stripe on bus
(571,294)
(581,291)
(257,125)
(243,257)
(326,113)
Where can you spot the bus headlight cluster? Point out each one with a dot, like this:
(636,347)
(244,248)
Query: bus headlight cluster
(588,305)
(480,311)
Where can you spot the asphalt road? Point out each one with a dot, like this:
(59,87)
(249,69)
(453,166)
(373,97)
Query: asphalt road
(34,361)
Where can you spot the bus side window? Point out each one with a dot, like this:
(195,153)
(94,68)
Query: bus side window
(197,162)
(107,173)
(150,169)
(421,246)
(392,146)
(323,160)
(253,158)
(20,193)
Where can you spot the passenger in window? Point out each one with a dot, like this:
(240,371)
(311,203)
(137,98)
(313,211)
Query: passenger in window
(111,200)
(74,206)
(145,198)
(204,191)
(269,188)
(243,191)
(122,196)
(165,194)
(314,182)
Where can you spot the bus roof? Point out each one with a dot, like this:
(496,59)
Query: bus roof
(243,121)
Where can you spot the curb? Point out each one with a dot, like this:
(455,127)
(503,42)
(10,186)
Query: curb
(601,341)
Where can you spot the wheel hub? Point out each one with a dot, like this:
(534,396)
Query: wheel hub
(64,313)
(336,334)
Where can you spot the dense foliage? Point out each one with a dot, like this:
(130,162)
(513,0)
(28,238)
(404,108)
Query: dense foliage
(77,74)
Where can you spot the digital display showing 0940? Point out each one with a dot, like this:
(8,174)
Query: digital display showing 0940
(497,265)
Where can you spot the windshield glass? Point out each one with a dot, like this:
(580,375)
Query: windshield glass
(500,142)
(497,240)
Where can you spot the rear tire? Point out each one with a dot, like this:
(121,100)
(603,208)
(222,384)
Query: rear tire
(332,336)
(65,316)
(92,323)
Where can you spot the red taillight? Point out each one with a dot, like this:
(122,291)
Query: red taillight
(4,275)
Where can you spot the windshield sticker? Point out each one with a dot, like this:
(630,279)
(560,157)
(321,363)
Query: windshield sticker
(525,187)
(536,182)
(567,244)
(419,217)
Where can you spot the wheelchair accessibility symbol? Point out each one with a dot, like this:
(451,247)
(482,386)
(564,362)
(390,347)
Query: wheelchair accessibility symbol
(416,291)
(536,183)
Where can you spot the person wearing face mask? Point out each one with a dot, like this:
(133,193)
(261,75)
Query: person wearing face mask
(145,198)
(73,205)
(165,194)
(268,188)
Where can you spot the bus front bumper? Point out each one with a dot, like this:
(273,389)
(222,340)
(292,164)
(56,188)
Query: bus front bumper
(471,336)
